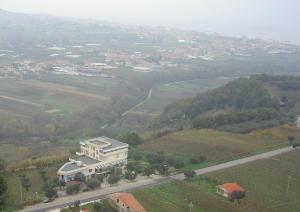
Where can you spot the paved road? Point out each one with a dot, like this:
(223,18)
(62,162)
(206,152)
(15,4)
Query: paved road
(237,162)
(100,194)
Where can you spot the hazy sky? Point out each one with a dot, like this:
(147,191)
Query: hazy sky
(268,19)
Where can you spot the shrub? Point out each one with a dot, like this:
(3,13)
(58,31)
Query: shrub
(159,157)
(71,189)
(197,159)
(178,164)
(93,183)
(189,174)
(148,171)
(49,191)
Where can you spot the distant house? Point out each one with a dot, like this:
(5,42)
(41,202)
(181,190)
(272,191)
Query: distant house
(96,156)
(298,122)
(228,189)
(125,202)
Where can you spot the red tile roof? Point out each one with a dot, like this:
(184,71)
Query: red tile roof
(231,187)
(129,201)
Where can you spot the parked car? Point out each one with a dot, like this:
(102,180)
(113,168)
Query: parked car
(49,200)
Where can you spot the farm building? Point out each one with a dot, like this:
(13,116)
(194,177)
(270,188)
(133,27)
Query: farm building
(96,156)
(228,189)
(125,202)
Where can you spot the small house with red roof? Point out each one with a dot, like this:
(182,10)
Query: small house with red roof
(125,202)
(229,190)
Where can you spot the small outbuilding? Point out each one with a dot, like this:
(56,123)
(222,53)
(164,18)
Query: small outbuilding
(125,202)
(231,190)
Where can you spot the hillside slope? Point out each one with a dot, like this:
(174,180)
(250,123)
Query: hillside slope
(242,105)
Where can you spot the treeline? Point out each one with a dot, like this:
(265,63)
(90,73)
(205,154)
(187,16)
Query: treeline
(259,114)
(243,121)
(40,162)
(239,95)
(241,106)
(283,82)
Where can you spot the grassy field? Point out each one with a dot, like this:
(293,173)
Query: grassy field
(220,146)
(176,197)
(265,182)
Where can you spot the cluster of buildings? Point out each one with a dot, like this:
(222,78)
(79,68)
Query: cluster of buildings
(151,49)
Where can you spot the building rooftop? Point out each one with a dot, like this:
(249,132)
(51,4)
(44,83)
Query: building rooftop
(129,201)
(78,163)
(107,144)
(85,160)
(70,167)
(231,187)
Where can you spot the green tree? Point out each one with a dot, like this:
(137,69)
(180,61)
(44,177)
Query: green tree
(189,174)
(291,140)
(132,139)
(3,185)
(50,192)
(93,183)
(3,188)
(71,189)
(2,165)
(238,195)
(148,171)
(114,176)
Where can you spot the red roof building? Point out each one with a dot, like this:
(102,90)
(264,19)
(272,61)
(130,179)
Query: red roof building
(126,202)
(227,189)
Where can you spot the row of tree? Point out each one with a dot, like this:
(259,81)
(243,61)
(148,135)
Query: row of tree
(3,184)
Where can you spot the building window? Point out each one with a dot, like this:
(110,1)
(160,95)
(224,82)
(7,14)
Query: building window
(90,170)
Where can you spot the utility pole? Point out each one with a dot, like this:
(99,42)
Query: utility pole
(191,206)
(21,193)
(288,184)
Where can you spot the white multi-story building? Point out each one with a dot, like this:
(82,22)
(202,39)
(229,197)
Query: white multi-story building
(96,156)
(298,121)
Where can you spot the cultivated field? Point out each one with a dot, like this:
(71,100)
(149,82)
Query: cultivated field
(176,197)
(44,96)
(265,181)
(220,146)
